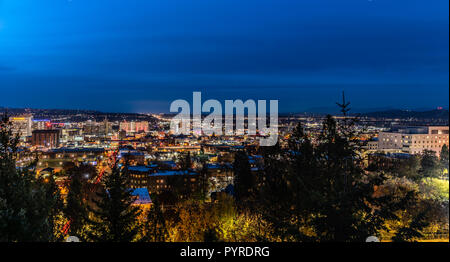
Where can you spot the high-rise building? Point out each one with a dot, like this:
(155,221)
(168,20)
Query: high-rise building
(47,138)
(22,125)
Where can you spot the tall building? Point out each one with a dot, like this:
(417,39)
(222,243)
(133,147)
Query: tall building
(94,128)
(414,140)
(47,138)
(106,127)
(134,126)
(22,125)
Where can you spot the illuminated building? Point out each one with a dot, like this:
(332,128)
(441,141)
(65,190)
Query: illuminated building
(182,182)
(22,125)
(159,181)
(55,158)
(414,140)
(71,135)
(132,157)
(134,127)
(139,176)
(41,124)
(46,138)
(93,128)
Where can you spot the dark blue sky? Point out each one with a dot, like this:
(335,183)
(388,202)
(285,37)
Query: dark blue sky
(139,55)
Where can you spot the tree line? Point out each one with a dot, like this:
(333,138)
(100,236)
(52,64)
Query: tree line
(308,190)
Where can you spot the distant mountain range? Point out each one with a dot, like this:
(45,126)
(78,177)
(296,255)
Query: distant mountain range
(48,111)
(335,110)
(430,114)
(76,115)
(442,114)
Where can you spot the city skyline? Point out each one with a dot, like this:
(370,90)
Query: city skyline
(224,128)
(139,56)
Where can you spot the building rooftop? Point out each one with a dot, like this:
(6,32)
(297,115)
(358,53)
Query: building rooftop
(218,166)
(139,168)
(420,129)
(77,150)
(45,131)
(174,173)
(143,197)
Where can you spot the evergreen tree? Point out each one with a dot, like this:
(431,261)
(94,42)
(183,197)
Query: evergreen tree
(408,168)
(243,177)
(76,209)
(412,231)
(203,182)
(155,227)
(429,164)
(443,158)
(318,191)
(210,235)
(114,217)
(54,205)
(186,161)
(283,196)
(28,205)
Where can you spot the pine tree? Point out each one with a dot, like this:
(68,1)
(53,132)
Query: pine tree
(203,182)
(444,159)
(28,205)
(412,231)
(349,210)
(114,217)
(186,161)
(429,164)
(286,196)
(243,177)
(318,191)
(210,235)
(76,209)
(344,211)
(155,227)
(52,205)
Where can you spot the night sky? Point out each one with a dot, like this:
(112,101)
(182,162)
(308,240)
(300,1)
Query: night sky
(139,55)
